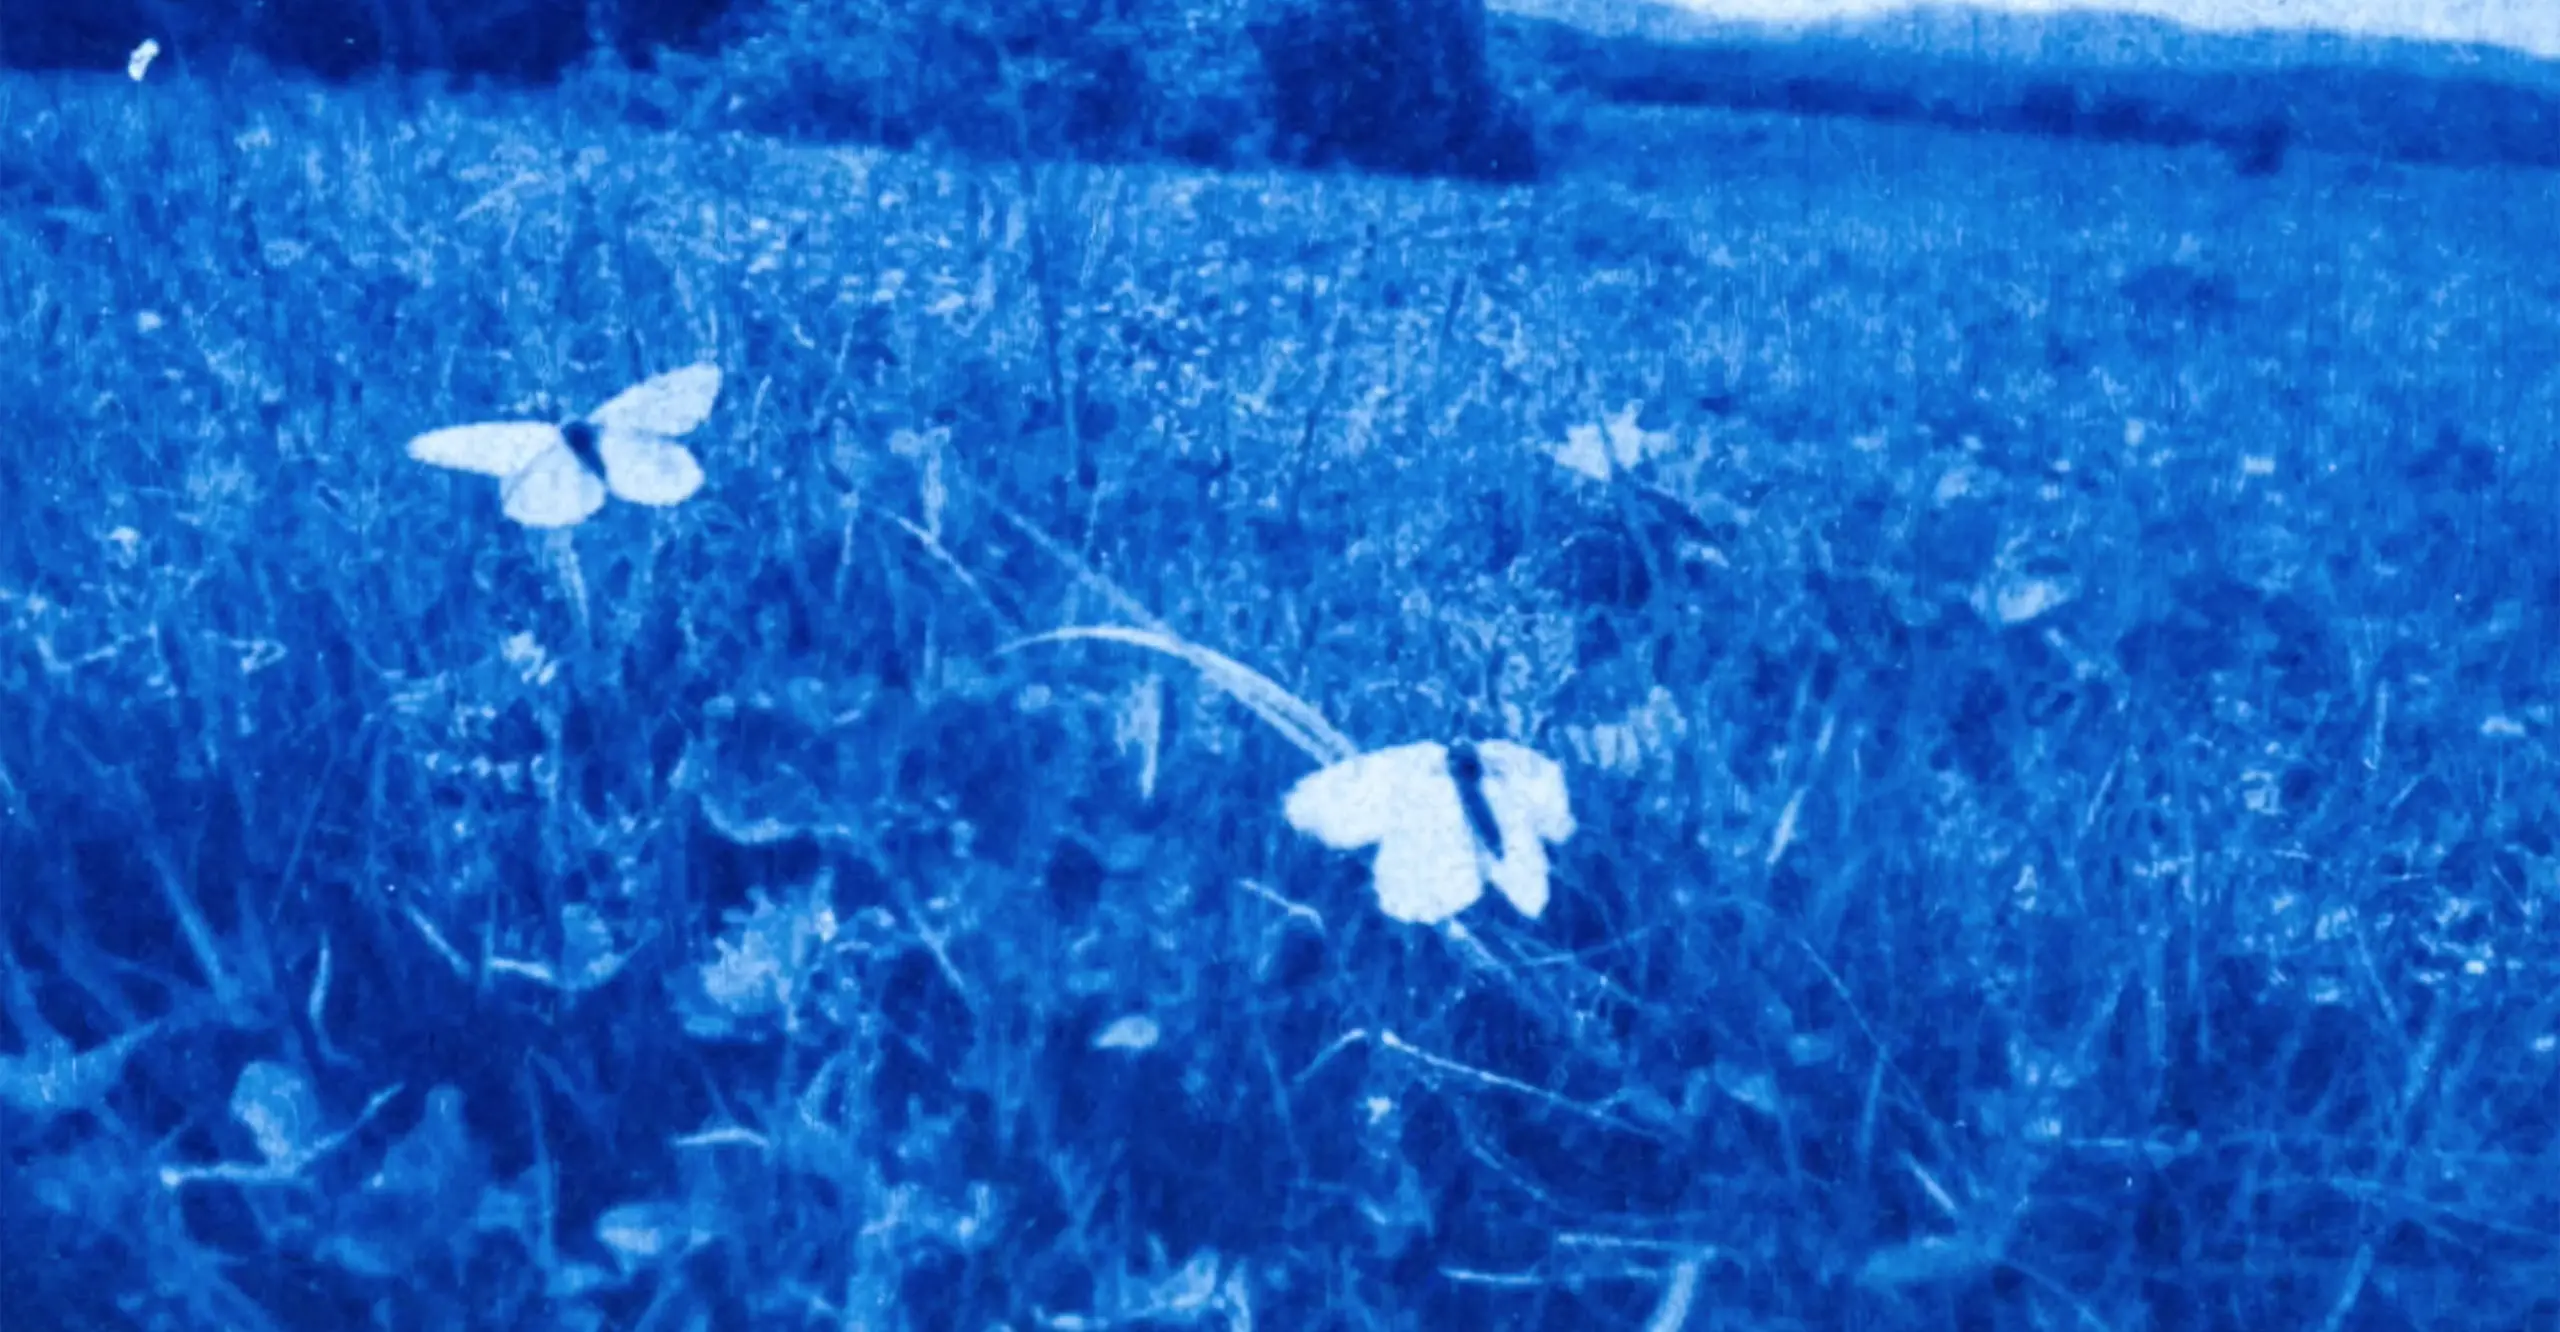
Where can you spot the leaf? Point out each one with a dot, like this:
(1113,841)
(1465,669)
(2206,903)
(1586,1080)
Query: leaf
(51,1079)
(1932,1259)
(644,1234)
(1296,720)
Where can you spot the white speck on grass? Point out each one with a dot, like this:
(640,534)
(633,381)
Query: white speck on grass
(1609,746)
(1626,745)
(1138,728)
(1183,1293)
(777,243)
(763,959)
(1132,1033)
(1930,1260)
(2261,793)
(641,1234)
(2018,600)
(586,960)
(279,1108)
(257,654)
(139,63)
(535,666)
(933,492)
(1749,1087)
(1784,835)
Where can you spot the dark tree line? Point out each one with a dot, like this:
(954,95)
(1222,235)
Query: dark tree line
(1400,86)
(1393,85)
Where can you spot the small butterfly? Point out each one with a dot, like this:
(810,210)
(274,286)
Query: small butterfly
(1446,820)
(557,475)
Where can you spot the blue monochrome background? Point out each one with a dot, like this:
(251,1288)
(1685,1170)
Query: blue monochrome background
(1272,664)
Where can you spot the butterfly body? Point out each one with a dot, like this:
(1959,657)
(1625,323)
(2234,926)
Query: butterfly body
(580,438)
(559,475)
(1446,821)
(1466,769)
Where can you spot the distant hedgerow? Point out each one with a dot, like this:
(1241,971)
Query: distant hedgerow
(1401,86)
(1100,79)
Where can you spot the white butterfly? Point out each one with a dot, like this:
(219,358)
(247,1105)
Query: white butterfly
(1446,821)
(557,475)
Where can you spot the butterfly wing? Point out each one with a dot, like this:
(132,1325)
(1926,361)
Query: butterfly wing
(495,448)
(669,404)
(1403,801)
(647,469)
(1352,804)
(553,490)
(1520,876)
(1526,792)
(1427,869)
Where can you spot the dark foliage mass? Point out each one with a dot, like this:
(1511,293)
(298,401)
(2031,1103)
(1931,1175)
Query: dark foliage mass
(1101,80)
(1393,85)
(1390,85)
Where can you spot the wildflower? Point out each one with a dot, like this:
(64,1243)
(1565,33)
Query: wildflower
(1617,444)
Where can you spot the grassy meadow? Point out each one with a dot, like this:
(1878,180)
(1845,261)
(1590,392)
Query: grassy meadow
(2059,712)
